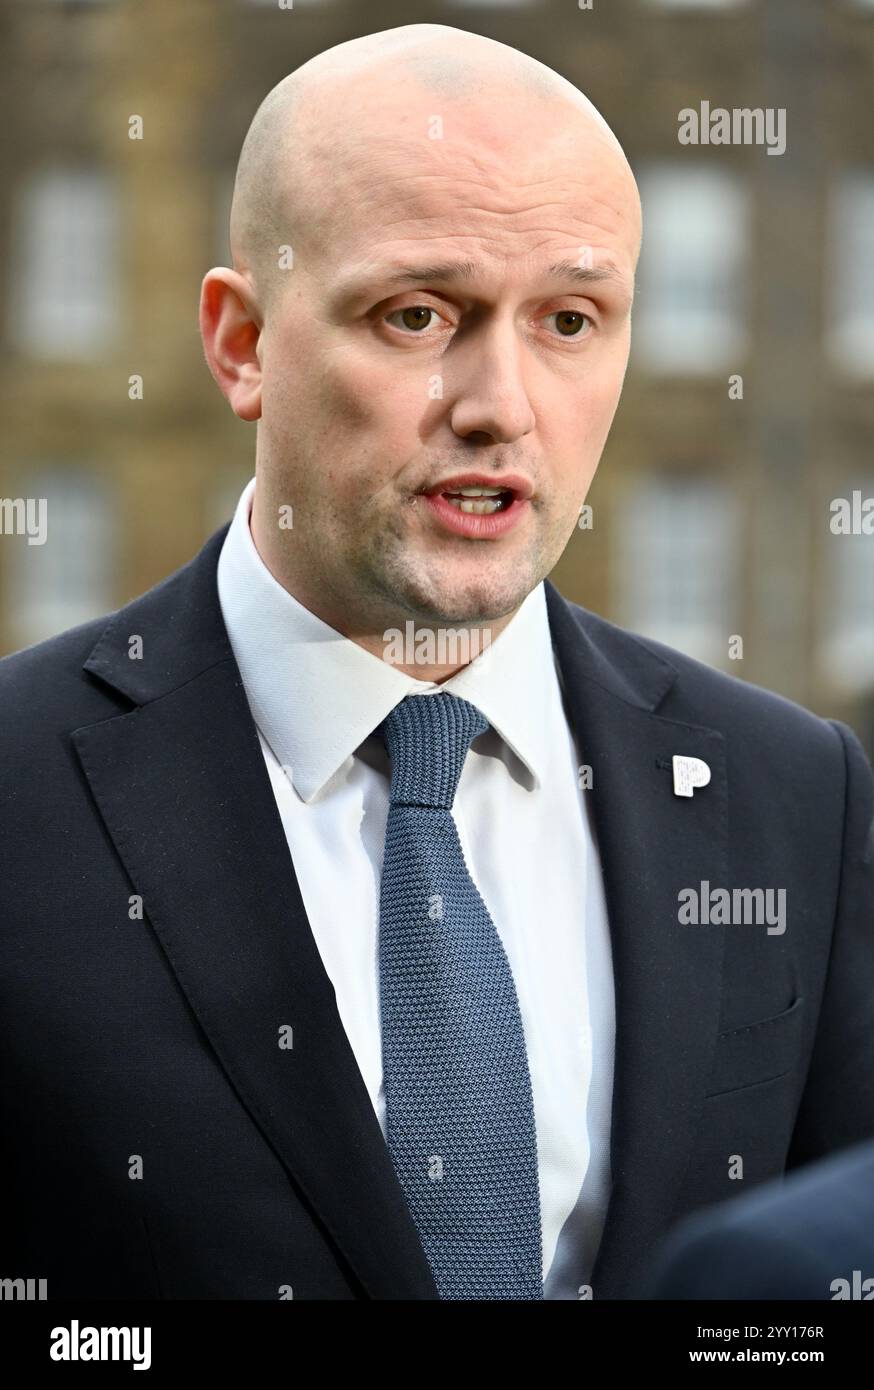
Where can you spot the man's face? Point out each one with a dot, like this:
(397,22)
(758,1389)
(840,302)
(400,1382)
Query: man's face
(377,391)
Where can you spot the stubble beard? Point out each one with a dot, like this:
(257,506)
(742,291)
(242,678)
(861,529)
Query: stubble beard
(407,584)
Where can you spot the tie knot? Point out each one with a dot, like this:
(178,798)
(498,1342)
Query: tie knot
(428,737)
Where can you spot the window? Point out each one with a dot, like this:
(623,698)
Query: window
(677,563)
(69,577)
(697,4)
(690,308)
(847,651)
(850,293)
(65,290)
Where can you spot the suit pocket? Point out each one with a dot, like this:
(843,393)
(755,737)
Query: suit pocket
(756,1052)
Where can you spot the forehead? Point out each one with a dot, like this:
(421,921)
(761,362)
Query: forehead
(494,184)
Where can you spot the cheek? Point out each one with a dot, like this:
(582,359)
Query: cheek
(601,400)
(316,386)
(381,395)
(582,421)
(373,418)
(579,426)
(363,432)
(378,410)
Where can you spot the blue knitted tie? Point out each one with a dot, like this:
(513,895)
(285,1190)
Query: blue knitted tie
(459,1110)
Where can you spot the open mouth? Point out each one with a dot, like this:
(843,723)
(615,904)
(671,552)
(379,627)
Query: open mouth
(480,501)
(480,508)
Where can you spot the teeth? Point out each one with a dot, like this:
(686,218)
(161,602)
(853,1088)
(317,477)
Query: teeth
(481,508)
(478,491)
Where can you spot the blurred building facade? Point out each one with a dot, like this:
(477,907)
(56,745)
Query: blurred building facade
(748,406)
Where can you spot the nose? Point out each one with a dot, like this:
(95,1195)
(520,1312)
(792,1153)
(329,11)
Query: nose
(491,398)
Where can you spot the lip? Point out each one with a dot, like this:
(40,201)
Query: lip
(476,527)
(509,482)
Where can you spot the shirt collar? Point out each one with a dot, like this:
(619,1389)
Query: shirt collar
(316,696)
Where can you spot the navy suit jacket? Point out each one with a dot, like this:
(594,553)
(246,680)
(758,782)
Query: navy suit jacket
(157,1142)
(808,1236)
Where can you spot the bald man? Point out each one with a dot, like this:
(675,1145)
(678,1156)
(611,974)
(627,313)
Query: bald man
(377,923)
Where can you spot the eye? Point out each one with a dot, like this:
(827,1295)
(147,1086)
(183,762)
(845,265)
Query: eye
(414,318)
(569,323)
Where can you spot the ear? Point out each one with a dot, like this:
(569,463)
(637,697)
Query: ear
(230,326)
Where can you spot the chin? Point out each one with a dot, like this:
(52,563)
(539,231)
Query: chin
(479,601)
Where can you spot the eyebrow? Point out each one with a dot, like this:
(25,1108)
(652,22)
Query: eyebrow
(466,270)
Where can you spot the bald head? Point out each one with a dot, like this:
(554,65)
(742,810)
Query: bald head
(338,111)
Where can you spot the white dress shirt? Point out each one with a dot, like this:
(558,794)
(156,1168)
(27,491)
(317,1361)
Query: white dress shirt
(525,829)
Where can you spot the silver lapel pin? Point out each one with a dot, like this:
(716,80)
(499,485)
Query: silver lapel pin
(689,773)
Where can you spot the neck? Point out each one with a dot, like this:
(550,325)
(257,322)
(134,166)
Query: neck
(428,651)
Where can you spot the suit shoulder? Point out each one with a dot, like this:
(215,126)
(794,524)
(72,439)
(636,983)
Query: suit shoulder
(44,688)
(25,671)
(702,694)
(48,679)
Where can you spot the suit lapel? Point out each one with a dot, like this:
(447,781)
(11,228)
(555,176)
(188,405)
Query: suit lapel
(182,787)
(667,976)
